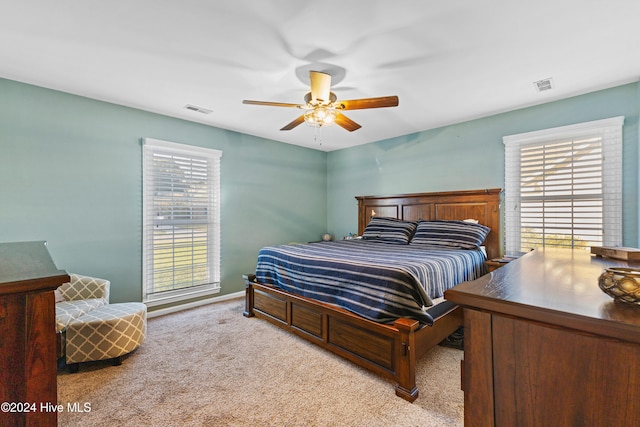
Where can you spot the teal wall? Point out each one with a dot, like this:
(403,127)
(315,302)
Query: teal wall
(470,155)
(71,174)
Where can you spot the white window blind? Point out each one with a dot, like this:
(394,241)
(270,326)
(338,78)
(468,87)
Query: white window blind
(181,221)
(563,187)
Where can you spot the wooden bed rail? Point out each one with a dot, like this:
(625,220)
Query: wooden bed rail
(388,350)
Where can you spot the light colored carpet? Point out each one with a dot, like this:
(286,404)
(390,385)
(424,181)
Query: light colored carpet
(211,366)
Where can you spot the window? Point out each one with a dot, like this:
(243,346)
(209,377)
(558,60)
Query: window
(181,221)
(563,187)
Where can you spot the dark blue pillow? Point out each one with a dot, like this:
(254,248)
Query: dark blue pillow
(450,234)
(390,230)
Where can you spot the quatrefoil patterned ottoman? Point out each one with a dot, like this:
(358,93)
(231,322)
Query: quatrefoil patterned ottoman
(106,332)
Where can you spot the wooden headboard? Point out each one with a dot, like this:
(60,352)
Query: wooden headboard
(482,205)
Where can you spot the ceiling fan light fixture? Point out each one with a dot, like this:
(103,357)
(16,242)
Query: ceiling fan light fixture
(322,108)
(320,116)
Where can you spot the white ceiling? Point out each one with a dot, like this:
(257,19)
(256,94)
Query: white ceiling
(448,61)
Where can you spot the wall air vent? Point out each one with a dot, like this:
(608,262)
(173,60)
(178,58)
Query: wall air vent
(543,85)
(198,109)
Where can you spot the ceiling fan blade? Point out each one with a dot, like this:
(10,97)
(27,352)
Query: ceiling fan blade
(320,86)
(294,123)
(346,122)
(359,104)
(271,104)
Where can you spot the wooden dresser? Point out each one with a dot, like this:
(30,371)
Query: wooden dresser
(28,387)
(544,346)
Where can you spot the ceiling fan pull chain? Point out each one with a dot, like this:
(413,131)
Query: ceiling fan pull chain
(317,134)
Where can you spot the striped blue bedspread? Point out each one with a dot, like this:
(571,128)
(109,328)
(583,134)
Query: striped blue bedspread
(378,281)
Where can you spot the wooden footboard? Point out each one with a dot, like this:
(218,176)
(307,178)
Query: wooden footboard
(388,350)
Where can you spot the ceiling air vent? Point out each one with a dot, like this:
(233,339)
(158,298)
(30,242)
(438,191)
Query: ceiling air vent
(198,109)
(543,85)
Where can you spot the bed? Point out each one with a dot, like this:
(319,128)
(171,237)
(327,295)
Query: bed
(388,339)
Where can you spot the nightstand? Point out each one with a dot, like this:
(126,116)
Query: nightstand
(495,263)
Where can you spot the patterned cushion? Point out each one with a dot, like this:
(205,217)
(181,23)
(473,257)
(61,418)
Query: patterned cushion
(450,234)
(67,311)
(84,287)
(389,230)
(106,332)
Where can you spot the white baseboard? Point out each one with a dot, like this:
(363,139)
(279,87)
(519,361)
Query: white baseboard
(180,307)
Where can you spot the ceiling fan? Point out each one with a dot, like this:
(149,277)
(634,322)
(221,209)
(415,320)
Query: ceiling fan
(321,107)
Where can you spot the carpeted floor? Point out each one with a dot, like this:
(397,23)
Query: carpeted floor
(211,366)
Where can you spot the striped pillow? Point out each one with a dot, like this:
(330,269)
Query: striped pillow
(450,234)
(389,230)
